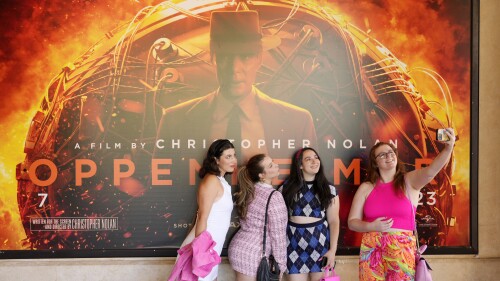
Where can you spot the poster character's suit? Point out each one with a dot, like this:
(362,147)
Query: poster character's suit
(237,110)
(282,123)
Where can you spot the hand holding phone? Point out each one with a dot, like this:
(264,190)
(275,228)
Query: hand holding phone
(441,135)
(324,262)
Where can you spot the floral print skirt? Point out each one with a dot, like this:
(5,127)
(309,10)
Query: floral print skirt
(387,256)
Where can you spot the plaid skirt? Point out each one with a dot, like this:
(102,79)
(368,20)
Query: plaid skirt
(307,243)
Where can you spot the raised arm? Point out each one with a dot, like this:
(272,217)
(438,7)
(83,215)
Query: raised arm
(209,191)
(419,178)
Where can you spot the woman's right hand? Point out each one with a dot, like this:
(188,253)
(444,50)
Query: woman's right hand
(382,224)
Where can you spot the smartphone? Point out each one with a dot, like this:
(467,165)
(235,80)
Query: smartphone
(441,135)
(324,261)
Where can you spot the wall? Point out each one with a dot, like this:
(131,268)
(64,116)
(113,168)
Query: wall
(484,266)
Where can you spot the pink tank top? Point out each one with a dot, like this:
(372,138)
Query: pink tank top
(383,201)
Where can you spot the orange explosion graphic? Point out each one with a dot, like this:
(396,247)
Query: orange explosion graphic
(40,37)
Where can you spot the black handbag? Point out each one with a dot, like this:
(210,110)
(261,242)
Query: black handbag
(268,269)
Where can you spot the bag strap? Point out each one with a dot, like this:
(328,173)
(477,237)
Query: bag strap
(415,232)
(265,224)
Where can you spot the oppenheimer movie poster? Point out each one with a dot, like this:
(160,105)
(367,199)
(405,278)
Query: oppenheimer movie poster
(108,108)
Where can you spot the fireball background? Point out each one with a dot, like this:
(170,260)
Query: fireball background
(39,37)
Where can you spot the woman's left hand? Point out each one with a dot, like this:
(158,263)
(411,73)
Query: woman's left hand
(451,137)
(330,255)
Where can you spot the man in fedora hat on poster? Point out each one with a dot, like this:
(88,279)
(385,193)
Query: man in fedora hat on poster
(237,110)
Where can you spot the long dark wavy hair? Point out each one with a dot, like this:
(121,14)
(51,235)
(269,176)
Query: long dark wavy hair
(248,176)
(374,173)
(214,152)
(295,182)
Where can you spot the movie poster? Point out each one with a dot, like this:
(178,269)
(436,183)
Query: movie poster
(109,107)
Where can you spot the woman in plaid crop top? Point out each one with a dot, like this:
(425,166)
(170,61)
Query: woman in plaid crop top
(313,207)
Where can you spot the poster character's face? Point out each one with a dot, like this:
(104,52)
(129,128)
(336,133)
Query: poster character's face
(237,72)
(271,169)
(310,163)
(227,162)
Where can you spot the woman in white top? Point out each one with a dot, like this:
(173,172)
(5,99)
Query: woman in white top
(215,202)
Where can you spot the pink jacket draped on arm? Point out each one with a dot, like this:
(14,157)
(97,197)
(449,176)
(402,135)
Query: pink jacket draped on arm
(195,259)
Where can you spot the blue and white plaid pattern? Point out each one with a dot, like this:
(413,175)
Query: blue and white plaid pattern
(306,244)
(308,203)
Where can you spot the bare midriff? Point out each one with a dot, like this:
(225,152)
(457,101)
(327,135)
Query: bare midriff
(303,220)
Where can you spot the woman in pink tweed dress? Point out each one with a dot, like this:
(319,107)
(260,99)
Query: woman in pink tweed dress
(245,249)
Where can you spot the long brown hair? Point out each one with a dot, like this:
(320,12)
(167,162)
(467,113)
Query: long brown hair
(295,181)
(374,173)
(214,152)
(247,177)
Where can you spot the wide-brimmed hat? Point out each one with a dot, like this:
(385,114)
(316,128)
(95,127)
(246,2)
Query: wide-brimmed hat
(238,32)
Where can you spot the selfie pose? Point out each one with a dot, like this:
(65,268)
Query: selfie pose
(384,209)
(313,222)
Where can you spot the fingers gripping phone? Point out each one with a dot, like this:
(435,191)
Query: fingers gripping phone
(441,135)
(324,262)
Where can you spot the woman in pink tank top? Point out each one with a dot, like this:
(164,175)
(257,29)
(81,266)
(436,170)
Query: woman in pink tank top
(383,209)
